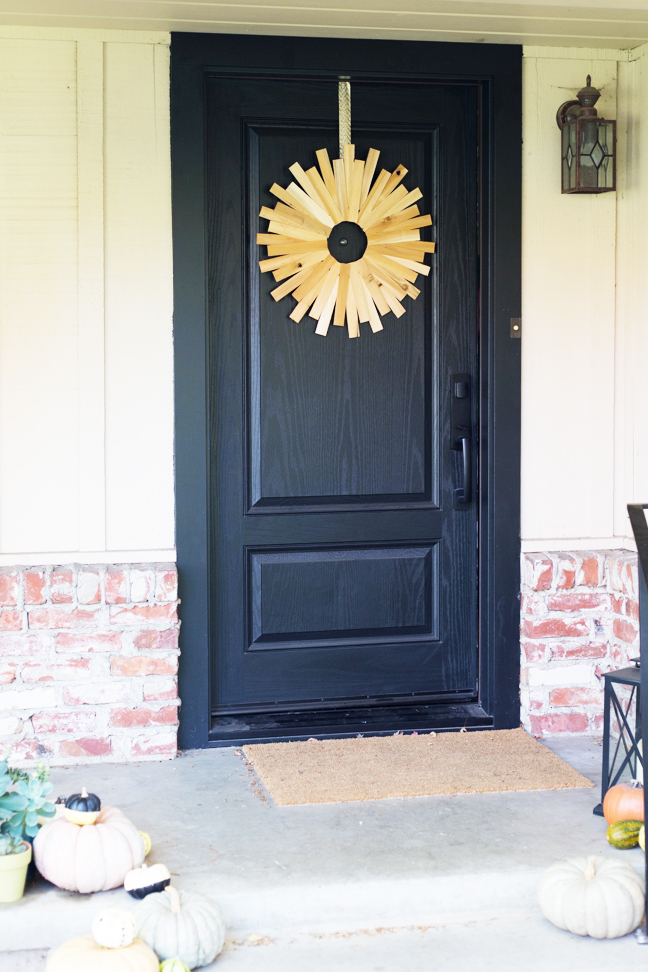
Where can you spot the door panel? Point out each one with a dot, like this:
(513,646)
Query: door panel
(344,596)
(340,568)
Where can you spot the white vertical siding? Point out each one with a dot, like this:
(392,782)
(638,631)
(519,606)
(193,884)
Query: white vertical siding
(139,277)
(631,358)
(86,391)
(39,346)
(91,374)
(571,451)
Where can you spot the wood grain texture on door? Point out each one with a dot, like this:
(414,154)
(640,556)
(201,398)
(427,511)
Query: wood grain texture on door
(340,568)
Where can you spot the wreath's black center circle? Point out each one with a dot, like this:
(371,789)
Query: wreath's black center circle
(347,242)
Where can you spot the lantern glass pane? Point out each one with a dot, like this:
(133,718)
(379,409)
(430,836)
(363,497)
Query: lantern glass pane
(595,170)
(590,153)
(624,765)
(569,157)
(606,144)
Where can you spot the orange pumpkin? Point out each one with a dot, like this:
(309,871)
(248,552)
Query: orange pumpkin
(624,801)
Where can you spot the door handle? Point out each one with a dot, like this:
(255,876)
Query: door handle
(461,440)
(464,496)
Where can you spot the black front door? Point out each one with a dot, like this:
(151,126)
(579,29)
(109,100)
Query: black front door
(331,579)
(344,559)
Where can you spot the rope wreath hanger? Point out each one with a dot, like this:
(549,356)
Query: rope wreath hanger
(344,244)
(344,114)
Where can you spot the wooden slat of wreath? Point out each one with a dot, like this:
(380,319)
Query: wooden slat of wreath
(381,207)
(370,167)
(289,200)
(311,192)
(327,313)
(341,186)
(348,160)
(326,170)
(343,290)
(313,208)
(325,292)
(395,178)
(328,201)
(295,263)
(295,247)
(355,188)
(412,264)
(359,296)
(376,192)
(375,289)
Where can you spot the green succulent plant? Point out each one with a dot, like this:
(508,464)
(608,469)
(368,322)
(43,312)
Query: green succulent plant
(23,798)
(10,845)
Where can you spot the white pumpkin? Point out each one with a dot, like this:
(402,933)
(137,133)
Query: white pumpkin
(596,896)
(95,857)
(114,928)
(86,955)
(181,925)
(146,880)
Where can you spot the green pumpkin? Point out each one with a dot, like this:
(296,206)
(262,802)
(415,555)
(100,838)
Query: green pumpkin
(181,924)
(624,833)
(174,965)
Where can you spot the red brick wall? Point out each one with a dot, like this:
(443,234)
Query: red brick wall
(579,618)
(89,654)
(88,663)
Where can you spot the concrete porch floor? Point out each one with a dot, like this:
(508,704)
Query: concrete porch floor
(380,885)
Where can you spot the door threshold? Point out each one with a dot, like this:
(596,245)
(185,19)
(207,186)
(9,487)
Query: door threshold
(243,729)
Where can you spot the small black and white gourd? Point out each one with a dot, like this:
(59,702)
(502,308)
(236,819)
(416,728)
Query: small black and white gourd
(59,807)
(147,880)
(82,808)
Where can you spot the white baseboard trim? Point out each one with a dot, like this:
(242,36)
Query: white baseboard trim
(58,558)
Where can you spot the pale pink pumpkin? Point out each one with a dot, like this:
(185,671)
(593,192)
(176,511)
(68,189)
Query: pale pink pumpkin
(95,857)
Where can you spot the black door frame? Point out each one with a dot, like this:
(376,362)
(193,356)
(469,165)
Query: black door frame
(498,71)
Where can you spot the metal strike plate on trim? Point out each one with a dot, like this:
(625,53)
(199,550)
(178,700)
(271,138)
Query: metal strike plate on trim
(516,327)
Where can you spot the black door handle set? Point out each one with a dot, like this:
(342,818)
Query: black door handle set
(461,437)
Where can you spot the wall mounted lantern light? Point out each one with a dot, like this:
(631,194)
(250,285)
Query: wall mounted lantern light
(588,143)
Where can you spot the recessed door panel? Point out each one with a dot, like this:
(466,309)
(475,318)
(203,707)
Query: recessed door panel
(327,427)
(343,596)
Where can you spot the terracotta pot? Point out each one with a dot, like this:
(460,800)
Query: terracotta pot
(13,871)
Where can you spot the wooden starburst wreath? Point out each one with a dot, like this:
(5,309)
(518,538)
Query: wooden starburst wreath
(345,247)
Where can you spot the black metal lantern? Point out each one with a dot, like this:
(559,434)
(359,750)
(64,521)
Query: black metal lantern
(622,748)
(588,144)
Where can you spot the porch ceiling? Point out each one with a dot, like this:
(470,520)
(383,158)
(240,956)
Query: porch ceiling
(581,23)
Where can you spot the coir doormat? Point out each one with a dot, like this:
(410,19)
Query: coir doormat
(378,767)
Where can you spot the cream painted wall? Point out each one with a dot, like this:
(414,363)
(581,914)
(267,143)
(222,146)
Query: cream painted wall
(631,350)
(86,434)
(86,383)
(585,340)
